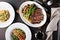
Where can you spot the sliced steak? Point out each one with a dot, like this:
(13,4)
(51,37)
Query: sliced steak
(37,16)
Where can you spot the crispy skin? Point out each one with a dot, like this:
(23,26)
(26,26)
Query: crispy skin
(20,36)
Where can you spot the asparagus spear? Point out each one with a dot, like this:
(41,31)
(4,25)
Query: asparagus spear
(31,10)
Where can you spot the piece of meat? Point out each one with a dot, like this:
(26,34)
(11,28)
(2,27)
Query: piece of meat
(20,36)
(37,16)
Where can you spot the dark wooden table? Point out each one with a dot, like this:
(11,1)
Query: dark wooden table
(16,4)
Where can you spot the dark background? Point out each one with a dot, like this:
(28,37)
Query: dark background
(16,4)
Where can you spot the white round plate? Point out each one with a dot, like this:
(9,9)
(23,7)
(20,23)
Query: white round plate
(27,22)
(7,6)
(18,25)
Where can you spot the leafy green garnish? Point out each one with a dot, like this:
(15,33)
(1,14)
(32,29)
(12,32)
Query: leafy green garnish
(21,31)
(14,37)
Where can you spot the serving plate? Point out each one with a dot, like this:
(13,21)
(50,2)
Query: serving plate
(20,26)
(27,22)
(7,6)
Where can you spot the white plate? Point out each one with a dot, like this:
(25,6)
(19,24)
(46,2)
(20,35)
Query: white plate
(27,22)
(18,25)
(7,6)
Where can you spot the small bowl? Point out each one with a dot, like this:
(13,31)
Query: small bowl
(27,22)
(40,35)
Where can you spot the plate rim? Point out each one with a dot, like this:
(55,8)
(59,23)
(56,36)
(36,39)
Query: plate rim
(17,27)
(14,14)
(25,20)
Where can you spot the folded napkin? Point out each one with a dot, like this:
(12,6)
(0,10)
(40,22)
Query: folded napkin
(52,26)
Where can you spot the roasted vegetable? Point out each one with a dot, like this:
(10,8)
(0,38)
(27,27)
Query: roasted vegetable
(4,15)
(31,10)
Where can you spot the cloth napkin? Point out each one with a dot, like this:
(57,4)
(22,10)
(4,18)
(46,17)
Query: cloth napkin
(52,26)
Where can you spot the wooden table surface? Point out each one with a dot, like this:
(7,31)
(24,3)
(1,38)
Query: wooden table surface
(16,4)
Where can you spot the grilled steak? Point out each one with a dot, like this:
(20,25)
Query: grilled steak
(37,16)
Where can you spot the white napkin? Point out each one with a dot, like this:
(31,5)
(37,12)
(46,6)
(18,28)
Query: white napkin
(52,26)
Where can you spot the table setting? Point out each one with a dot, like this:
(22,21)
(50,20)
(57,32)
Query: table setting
(29,19)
